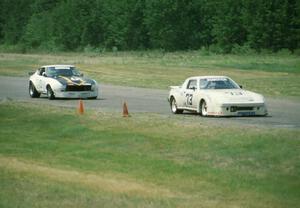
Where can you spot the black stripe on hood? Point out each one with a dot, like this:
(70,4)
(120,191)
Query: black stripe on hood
(74,79)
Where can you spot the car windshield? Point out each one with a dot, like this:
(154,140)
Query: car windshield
(218,83)
(72,71)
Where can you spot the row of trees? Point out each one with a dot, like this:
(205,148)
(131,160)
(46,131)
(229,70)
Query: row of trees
(151,24)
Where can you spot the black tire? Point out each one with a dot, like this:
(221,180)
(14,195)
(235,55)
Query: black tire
(50,93)
(173,106)
(203,108)
(32,91)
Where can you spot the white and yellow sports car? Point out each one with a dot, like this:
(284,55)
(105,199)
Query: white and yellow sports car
(61,81)
(215,96)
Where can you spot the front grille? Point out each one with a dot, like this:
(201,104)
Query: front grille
(78,88)
(244,108)
(240,108)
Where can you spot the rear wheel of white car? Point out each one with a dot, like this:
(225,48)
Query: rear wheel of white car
(32,91)
(174,108)
(50,93)
(203,108)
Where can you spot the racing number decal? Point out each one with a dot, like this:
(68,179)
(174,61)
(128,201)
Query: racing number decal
(189,99)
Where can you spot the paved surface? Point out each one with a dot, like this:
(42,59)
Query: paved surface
(282,113)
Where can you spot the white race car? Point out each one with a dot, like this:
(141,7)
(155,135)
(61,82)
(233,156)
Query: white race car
(215,96)
(61,81)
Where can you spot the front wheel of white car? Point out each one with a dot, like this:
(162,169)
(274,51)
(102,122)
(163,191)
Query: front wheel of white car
(174,108)
(32,91)
(50,93)
(203,108)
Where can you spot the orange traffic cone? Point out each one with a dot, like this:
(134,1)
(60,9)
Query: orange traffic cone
(125,110)
(80,107)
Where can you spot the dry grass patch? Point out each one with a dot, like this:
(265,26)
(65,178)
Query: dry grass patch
(104,182)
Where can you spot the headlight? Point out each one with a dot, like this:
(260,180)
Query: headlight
(94,87)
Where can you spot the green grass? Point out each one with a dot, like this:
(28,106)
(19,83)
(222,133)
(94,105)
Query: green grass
(272,75)
(52,157)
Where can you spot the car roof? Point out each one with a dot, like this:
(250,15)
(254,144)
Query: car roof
(62,66)
(208,77)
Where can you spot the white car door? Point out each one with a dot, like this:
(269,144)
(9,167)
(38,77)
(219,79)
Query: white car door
(189,93)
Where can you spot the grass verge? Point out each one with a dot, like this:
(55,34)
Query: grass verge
(272,75)
(50,157)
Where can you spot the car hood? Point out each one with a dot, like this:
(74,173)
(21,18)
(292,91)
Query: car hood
(234,96)
(74,80)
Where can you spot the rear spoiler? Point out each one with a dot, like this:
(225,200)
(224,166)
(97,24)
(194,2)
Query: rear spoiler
(174,87)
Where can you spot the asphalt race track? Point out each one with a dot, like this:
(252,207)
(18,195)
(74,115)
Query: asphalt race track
(282,113)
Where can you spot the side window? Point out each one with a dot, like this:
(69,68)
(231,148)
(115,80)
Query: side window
(203,83)
(41,70)
(192,84)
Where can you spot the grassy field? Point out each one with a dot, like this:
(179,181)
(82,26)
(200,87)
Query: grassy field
(51,157)
(272,75)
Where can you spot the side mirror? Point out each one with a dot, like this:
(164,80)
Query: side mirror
(44,74)
(241,86)
(193,88)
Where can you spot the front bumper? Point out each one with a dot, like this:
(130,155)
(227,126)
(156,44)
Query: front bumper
(258,109)
(75,94)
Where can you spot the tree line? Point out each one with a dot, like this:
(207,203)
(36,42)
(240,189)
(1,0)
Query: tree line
(222,25)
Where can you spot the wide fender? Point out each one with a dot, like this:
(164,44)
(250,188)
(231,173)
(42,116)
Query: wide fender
(34,79)
(209,101)
(176,94)
(173,95)
(53,83)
